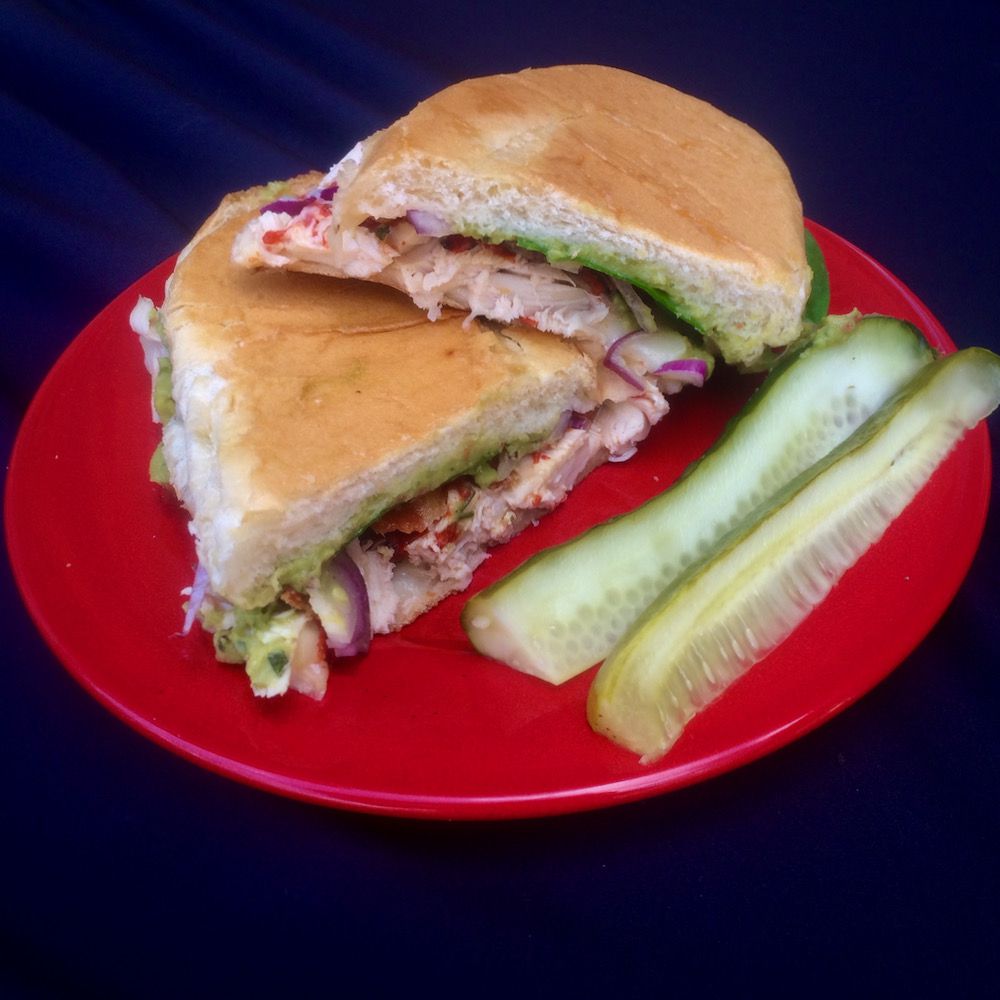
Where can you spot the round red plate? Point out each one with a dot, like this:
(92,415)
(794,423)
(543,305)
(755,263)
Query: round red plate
(423,726)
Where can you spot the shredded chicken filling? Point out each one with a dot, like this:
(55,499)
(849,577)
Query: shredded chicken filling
(431,546)
(500,282)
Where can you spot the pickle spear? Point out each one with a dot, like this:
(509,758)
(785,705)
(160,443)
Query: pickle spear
(728,610)
(563,610)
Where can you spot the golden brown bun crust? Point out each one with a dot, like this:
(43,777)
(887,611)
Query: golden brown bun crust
(642,155)
(328,389)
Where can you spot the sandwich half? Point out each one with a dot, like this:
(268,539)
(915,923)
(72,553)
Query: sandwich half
(548,197)
(345,461)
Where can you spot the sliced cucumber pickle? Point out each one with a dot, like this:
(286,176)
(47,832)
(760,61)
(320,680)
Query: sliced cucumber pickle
(564,609)
(728,610)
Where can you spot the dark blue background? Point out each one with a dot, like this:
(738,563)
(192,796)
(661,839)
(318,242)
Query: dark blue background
(863,857)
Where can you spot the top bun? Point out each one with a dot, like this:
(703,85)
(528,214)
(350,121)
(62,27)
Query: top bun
(607,167)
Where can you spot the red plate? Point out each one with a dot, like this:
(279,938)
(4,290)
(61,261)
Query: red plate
(423,726)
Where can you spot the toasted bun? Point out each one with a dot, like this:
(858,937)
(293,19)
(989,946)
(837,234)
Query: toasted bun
(601,164)
(307,406)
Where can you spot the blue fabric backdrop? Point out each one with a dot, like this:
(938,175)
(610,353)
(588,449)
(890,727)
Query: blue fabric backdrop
(863,857)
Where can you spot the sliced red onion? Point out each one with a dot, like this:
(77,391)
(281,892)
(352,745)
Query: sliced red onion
(612,360)
(427,223)
(693,371)
(344,587)
(571,420)
(642,313)
(561,426)
(291,206)
(199,588)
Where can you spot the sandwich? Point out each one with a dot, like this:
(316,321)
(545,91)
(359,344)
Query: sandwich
(347,462)
(369,378)
(574,199)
